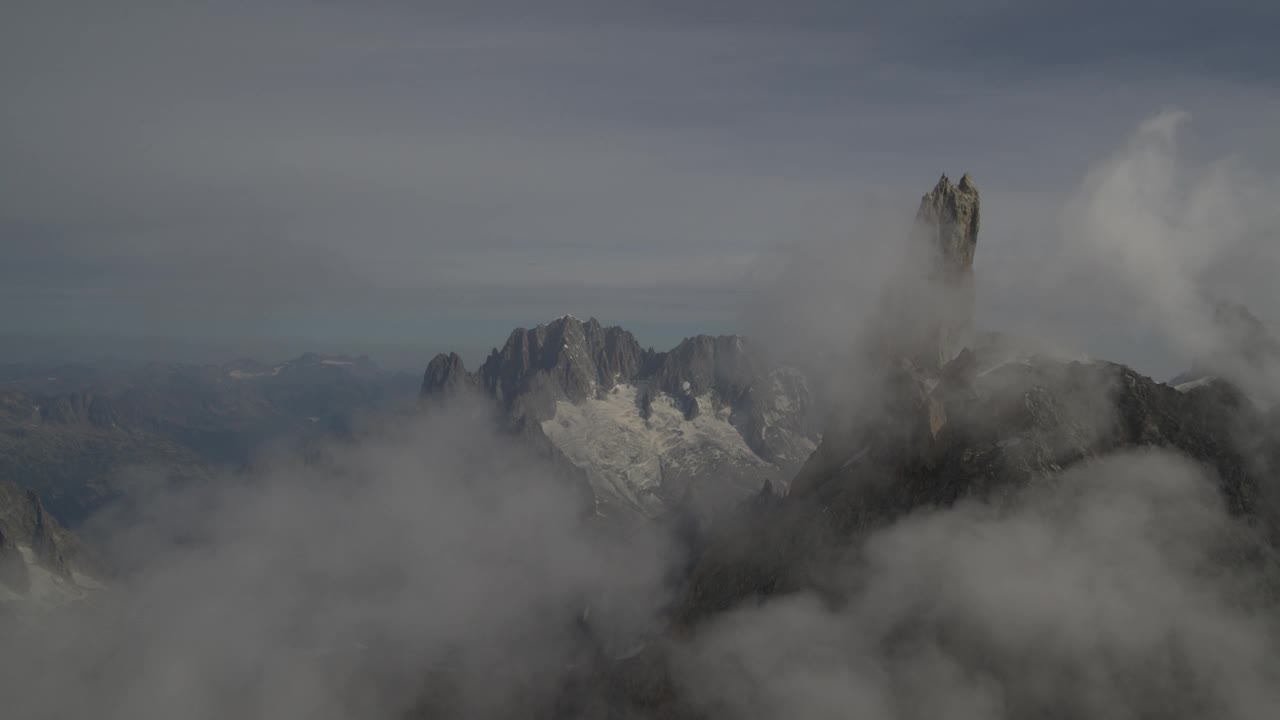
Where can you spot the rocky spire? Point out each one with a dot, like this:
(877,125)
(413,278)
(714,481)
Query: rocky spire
(947,235)
(949,216)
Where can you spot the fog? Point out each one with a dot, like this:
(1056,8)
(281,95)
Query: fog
(1121,589)
(340,587)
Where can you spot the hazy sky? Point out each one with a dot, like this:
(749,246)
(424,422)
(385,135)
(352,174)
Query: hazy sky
(409,177)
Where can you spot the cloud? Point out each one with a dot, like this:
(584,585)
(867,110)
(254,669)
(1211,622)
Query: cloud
(1120,589)
(430,553)
(1157,239)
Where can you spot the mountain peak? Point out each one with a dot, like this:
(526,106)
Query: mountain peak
(952,212)
(642,424)
(446,374)
(929,315)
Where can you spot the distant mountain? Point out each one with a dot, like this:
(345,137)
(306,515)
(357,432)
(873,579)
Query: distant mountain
(705,424)
(69,431)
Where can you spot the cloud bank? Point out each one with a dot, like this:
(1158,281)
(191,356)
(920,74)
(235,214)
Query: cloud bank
(436,560)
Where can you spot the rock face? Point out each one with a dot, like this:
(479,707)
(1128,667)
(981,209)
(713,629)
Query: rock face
(949,219)
(642,425)
(41,563)
(563,360)
(24,521)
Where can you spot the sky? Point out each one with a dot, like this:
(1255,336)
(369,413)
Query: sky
(203,180)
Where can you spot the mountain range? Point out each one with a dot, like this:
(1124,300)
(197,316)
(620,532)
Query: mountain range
(69,431)
(772,480)
(705,424)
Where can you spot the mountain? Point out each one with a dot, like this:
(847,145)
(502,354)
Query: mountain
(70,432)
(998,416)
(940,425)
(42,564)
(941,438)
(703,425)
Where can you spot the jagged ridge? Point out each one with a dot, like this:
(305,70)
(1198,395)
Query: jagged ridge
(570,377)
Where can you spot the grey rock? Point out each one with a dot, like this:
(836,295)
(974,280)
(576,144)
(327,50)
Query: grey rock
(25,522)
(949,219)
(565,359)
(928,312)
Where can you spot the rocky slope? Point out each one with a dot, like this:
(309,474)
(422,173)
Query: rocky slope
(42,564)
(707,423)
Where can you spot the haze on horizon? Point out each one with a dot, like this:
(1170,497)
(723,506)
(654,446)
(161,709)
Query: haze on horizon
(219,179)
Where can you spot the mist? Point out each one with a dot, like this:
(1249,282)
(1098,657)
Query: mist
(437,552)
(327,176)
(1123,587)
(1120,589)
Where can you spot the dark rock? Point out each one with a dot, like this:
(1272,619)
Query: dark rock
(1024,422)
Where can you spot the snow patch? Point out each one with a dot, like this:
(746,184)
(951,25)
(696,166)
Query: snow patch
(856,456)
(1193,384)
(626,457)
